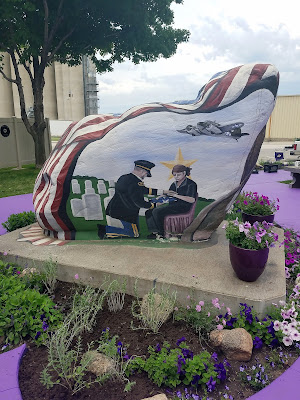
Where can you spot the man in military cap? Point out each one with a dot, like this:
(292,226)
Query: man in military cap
(128,200)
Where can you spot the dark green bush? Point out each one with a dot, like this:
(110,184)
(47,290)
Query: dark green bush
(16,221)
(24,311)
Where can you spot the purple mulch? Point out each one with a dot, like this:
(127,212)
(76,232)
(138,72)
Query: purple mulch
(268,184)
(14,205)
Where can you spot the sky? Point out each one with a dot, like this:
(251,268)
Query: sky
(224,34)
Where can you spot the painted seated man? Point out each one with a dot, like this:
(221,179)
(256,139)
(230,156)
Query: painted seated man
(184,193)
(122,212)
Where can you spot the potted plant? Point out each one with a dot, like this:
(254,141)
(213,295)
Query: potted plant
(255,207)
(249,247)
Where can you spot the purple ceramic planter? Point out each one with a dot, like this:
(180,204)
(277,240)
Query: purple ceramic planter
(259,218)
(248,264)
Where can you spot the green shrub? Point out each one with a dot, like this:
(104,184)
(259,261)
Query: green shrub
(24,311)
(173,367)
(16,221)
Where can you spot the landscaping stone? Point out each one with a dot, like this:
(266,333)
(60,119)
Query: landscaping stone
(100,364)
(157,397)
(28,271)
(236,344)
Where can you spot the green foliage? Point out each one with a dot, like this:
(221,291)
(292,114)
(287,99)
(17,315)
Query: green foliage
(16,221)
(49,275)
(24,311)
(173,367)
(67,364)
(253,237)
(203,317)
(116,296)
(260,331)
(17,181)
(255,376)
(254,204)
(35,33)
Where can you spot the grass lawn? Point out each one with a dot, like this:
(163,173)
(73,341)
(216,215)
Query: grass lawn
(17,181)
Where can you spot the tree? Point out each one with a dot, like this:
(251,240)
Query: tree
(35,33)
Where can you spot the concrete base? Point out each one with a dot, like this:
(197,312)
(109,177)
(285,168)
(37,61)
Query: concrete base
(203,268)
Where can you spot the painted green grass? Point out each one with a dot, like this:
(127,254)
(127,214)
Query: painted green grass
(17,181)
(286,182)
(87,230)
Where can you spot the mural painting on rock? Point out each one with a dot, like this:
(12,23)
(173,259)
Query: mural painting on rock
(158,168)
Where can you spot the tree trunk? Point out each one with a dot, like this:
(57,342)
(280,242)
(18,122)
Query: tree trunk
(39,125)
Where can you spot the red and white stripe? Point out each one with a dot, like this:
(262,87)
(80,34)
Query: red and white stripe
(222,90)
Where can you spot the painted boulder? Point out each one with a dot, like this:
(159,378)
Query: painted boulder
(167,169)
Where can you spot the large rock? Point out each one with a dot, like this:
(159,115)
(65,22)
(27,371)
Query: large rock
(100,364)
(157,397)
(236,343)
(218,135)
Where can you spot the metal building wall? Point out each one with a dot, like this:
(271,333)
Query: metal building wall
(284,123)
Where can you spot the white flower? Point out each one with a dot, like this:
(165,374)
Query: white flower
(286,330)
(287,341)
(277,325)
(295,335)
(293,325)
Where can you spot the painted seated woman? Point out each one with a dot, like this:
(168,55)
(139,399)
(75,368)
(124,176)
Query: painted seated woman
(182,192)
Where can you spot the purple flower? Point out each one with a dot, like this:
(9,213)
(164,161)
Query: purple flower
(211,384)
(187,353)
(220,369)
(257,342)
(38,334)
(180,340)
(45,326)
(214,356)
(196,379)
(157,348)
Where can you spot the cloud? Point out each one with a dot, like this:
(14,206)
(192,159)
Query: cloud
(220,39)
(237,43)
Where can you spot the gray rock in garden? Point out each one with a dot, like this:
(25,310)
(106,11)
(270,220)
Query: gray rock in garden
(100,364)
(29,271)
(236,343)
(161,396)
(219,135)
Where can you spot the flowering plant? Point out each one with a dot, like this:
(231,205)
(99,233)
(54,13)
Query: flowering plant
(260,235)
(254,204)
(202,316)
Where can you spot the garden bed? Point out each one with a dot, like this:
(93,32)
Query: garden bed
(137,342)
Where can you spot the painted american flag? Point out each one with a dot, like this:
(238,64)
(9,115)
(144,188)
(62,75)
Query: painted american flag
(52,186)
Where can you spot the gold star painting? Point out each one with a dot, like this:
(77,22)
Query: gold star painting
(178,160)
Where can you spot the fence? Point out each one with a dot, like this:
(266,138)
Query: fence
(284,122)
(17,145)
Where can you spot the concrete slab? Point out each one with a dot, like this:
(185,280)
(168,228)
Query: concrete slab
(202,267)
